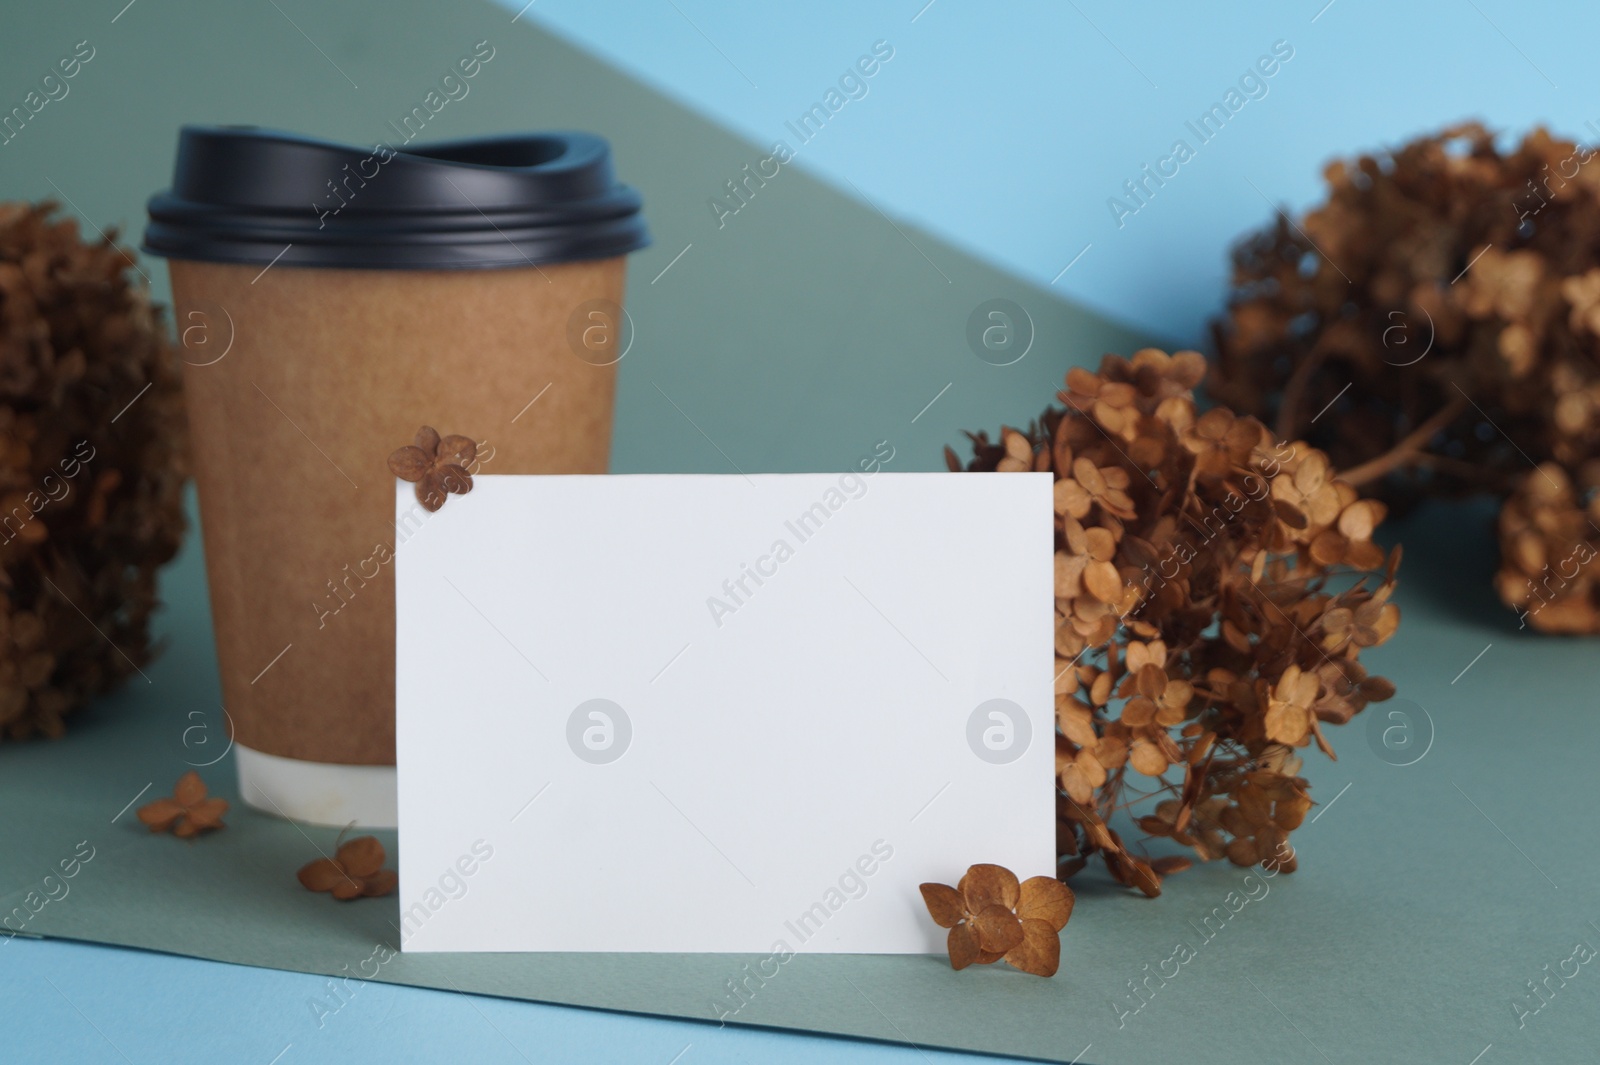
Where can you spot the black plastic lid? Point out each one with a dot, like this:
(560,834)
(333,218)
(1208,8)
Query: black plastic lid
(246,195)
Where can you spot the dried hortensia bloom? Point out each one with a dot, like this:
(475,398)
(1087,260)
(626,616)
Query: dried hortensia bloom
(1215,588)
(1435,328)
(1548,542)
(92,467)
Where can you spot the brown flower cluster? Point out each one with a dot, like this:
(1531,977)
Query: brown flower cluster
(1548,541)
(1443,308)
(1214,590)
(992,917)
(91,468)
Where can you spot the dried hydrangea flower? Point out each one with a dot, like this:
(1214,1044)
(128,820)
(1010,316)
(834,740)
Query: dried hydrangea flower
(91,510)
(355,871)
(188,812)
(439,467)
(1435,328)
(992,917)
(1548,544)
(1207,623)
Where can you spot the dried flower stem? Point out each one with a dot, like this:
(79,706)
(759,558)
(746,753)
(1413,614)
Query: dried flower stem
(1294,392)
(1409,450)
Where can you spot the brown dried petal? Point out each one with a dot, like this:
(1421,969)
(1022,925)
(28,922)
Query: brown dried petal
(428,440)
(962,944)
(1076,721)
(1289,813)
(1090,767)
(208,813)
(1076,783)
(1170,711)
(409,463)
(1187,368)
(1363,555)
(1359,519)
(1071,499)
(1289,514)
(998,929)
(1328,548)
(1083,382)
(989,885)
(1086,474)
(1242,850)
(1100,544)
(1117,500)
(160,815)
(362,856)
(944,904)
(190,789)
(1103,582)
(346,889)
(430,490)
(1039,952)
(1047,899)
(1141,654)
(1377,689)
(1214,424)
(457,450)
(321,875)
(1138,712)
(1147,758)
(1287,723)
(1069,574)
(455,479)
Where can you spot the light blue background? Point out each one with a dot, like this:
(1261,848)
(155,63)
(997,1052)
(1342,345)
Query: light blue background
(161,1008)
(1005,127)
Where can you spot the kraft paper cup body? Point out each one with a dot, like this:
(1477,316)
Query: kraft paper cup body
(300,381)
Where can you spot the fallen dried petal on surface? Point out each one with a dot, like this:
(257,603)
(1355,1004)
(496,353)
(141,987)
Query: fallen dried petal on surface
(1023,929)
(188,812)
(355,871)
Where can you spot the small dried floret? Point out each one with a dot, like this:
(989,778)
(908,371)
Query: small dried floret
(993,917)
(188,812)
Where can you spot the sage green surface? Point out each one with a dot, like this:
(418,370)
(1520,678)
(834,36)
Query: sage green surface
(794,338)
(1406,935)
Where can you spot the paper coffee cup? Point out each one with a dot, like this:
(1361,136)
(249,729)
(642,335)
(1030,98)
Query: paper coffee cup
(330,301)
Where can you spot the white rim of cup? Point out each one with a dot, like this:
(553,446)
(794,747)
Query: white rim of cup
(318,793)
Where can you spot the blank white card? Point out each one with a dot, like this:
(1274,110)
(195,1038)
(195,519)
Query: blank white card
(707,713)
